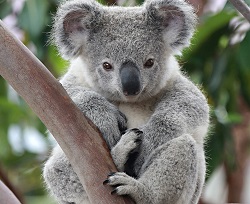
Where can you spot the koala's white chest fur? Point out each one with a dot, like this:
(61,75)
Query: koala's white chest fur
(137,113)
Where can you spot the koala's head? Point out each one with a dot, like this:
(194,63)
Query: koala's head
(127,49)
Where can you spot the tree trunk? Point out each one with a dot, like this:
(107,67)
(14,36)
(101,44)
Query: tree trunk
(4,178)
(241,135)
(78,137)
(6,196)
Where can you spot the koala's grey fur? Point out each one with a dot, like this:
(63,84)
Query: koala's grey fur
(160,156)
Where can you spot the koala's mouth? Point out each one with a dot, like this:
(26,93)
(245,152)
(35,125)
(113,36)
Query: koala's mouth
(132,93)
(132,97)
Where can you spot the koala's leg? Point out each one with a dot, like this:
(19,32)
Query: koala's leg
(62,181)
(170,175)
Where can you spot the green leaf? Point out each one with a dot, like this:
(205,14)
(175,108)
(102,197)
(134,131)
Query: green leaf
(56,62)
(210,25)
(5,149)
(10,112)
(139,2)
(219,69)
(234,118)
(40,200)
(206,29)
(34,17)
(244,68)
(244,54)
(3,91)
(5,9)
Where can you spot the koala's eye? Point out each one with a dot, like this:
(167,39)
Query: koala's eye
(149,63)
(107,66)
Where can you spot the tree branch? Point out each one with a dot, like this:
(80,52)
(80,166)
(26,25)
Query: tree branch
(9,185)
(242,7)
(78,137)
(6,195)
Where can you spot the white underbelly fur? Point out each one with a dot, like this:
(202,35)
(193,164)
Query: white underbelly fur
(137,114)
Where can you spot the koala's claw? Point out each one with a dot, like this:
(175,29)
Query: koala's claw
(105,182)
(114,191)
(136,130)
(111,173)
(123,183)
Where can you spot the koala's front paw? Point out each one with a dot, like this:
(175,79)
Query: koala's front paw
(126,150)
(124,184)
(130,141)
(110,121)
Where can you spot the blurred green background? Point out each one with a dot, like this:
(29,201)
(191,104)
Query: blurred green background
(218,60)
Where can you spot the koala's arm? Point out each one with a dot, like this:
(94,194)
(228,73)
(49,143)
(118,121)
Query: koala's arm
(171,164)
(110,121)
(182,110)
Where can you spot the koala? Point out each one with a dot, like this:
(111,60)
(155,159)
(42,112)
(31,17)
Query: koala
(124,77)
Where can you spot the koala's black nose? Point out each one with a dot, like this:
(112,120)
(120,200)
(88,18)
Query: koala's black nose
(130,79)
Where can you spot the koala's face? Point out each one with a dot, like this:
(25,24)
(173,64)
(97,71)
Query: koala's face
(126,49)
(127,55)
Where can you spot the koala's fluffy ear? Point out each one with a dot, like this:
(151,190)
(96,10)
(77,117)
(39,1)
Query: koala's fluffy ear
(72,24)
(176,19)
